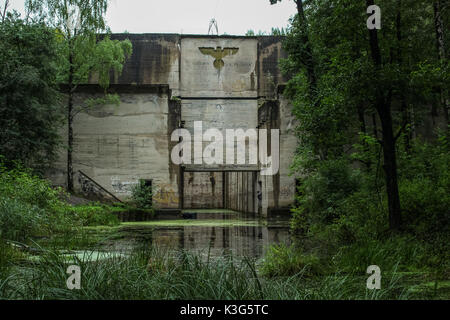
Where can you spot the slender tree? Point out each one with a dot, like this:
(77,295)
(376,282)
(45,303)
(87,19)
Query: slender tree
(383,106)
(441,48)
(84,51)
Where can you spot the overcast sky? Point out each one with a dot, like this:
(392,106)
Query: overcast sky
(192,16)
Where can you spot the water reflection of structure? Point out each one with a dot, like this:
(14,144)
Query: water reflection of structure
(215,232)
(248,241)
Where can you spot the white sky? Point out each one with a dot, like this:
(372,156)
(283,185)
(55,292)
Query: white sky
(234,17)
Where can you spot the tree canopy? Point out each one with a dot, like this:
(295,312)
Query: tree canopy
(346,80)
(84,51)
(30,112)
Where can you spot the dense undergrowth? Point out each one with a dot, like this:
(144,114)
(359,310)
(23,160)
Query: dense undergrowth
(30,207)
(155,274)
(342,219)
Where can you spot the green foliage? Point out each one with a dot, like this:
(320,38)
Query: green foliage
(94,215)
(283,260)
(348,204)
(83,51)
(273,32)
(142,196)
(32,203)
(324,192)
(30,115)
(71,17)
(334,89)
(393,254)
(363,216)
(356,234)
(424,188)
(29,207)
(108,55)
(250,33)
(19,220)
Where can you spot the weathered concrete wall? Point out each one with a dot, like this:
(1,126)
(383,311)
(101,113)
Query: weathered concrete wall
(227,82)
(269,75)
(241,191)
(218,67)
(117,146)
(176,60)
(155,60)
(203,190)
(221,114)
(278,191)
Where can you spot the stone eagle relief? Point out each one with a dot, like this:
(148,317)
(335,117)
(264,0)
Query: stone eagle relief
(218,54)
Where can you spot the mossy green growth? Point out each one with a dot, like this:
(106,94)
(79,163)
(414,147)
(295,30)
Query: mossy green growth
(94,215)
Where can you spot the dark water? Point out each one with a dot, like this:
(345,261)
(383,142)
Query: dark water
(206,232)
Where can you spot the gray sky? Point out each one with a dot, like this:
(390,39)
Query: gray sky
(192,16)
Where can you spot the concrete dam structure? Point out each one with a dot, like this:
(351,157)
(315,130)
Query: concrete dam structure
(170,82)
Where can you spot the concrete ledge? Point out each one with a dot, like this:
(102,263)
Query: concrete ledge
(168,213)
(273,212)
(121,88)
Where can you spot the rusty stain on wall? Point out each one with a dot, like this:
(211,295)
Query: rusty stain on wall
(165,195)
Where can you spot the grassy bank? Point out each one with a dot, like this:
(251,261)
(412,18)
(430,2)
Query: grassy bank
(149,273)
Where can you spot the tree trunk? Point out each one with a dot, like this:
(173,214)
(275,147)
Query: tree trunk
(390,165)
(383,107)
(404,104)
(70,124)
(439,26)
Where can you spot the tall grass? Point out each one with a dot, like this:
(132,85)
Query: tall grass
(149,273)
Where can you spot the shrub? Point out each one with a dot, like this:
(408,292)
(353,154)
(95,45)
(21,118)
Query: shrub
(29,206)
(363,216)
(19,220)
(425,206)
(323,192)
(345,206)
(21,184)
(94,215)
(142,196)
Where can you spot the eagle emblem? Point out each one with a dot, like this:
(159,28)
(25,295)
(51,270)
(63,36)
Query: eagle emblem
(218,54)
